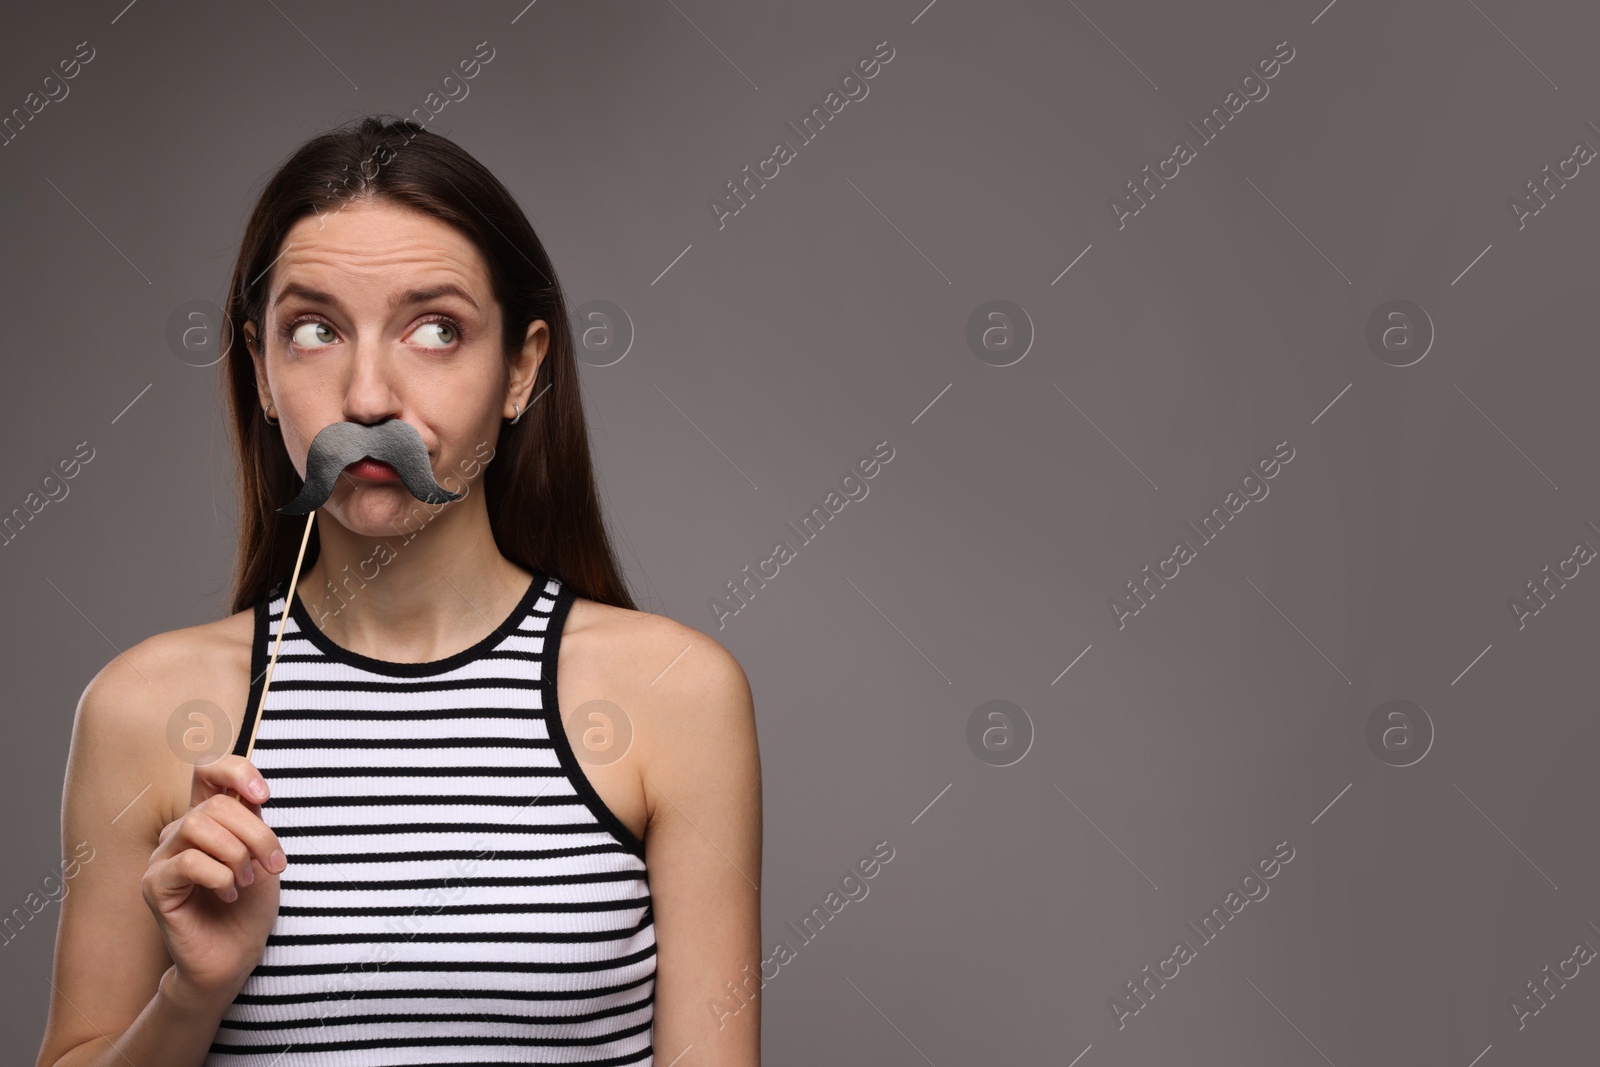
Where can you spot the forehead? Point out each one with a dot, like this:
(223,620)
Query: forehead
(377,247)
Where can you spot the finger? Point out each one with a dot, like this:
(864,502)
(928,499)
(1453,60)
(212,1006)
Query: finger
(202,831)
(225,773)
(171,882)
(246,826)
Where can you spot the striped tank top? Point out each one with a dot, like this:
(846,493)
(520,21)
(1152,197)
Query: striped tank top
(456,891)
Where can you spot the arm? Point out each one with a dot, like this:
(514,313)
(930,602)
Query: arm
(703,851)
(94,1008)
(122,785)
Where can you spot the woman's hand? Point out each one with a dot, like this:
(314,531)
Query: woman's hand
(212,882)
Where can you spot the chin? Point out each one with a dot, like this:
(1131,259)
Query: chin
(384,511)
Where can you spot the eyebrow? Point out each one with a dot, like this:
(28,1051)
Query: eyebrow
(410,296)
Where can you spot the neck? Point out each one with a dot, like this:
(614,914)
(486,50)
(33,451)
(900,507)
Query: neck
(414,597)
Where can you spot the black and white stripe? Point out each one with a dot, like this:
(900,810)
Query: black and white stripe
(457,892)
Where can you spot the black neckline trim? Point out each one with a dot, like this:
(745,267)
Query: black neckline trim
(311,632)
(258,674)
(557,731)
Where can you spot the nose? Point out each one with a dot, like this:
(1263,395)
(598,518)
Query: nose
(369,395)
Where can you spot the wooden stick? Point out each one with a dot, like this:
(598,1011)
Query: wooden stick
(282,621)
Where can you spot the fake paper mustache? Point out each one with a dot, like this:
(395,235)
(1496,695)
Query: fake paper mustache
(339,444)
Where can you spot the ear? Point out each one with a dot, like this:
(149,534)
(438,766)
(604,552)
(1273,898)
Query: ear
(525,366)
(253,343)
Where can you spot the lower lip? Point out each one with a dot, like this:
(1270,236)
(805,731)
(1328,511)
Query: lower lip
(374,470)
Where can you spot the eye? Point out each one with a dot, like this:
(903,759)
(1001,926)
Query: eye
(307,333)
(442,332)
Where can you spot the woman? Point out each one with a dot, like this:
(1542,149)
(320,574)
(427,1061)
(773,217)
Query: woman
(434,853)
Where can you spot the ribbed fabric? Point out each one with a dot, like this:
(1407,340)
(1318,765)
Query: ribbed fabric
(457,892)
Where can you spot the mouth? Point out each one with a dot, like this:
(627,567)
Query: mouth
(373,470)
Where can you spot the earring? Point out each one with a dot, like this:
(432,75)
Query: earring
(518,407)
(266,414)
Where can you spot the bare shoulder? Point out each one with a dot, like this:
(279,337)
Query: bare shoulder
(676,668)
(687,697)
(151,710)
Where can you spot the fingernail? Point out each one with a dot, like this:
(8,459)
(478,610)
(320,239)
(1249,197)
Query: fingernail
(231,894)
(277,861)
(258,790)
(248,877)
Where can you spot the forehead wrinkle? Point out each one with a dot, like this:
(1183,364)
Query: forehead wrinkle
(423,263)
(396,300)
(451,282)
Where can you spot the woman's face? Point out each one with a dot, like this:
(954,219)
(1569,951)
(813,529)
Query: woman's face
(378,311)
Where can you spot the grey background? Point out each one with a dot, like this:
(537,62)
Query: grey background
(831,314)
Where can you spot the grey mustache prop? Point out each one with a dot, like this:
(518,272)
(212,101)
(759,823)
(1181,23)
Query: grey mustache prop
(339,444)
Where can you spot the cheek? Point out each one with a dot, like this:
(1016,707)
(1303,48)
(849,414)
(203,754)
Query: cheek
(460,457)
(470,444)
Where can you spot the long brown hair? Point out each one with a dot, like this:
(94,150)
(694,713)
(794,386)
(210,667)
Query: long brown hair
(540,491)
